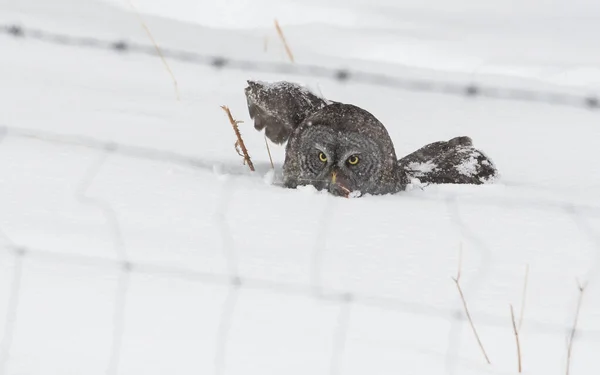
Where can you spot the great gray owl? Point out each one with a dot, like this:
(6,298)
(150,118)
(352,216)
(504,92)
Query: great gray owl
(344,149)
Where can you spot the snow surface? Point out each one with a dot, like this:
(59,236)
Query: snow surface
(229,273)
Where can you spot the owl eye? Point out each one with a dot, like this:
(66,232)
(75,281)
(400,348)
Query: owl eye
(353,160)
(323,157)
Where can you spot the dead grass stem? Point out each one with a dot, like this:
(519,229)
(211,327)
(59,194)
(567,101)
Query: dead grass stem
(239,143)
(466,308)
(269,151)
(284,41)
(158,50)
(571,338)
(516,331)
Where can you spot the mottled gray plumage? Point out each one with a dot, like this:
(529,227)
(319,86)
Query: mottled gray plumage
(453,162)
(280,107)
(344,149)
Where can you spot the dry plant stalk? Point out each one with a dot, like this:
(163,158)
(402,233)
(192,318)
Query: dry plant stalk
(285,44)
(269,151)
(464,301)
(158,50)
(240,142)
(574,329)
(521,314)
(346,190)
(514,324)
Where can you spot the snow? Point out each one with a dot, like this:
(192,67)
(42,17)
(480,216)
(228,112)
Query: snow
(419,168)
(468,167)
(137,242)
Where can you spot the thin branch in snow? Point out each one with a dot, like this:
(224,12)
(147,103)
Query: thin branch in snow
(285,44)
(243,151)
(464,301)
(269,151)
(158,50)
(581,288)
(514,324)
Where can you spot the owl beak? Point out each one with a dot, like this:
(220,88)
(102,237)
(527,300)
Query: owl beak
(337,187)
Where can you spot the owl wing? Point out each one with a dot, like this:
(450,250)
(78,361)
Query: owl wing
(449,162)
(280,107)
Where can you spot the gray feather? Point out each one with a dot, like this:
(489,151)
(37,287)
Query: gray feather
(280,107)
(455,161)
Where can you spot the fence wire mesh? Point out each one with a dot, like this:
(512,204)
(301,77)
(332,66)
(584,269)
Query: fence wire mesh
(233,280)
(343,75)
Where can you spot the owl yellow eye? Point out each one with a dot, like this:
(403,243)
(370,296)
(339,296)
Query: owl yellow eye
(322,157)
(353,160)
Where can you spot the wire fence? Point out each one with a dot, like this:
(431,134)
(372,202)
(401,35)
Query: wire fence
(471,90)
(233,280)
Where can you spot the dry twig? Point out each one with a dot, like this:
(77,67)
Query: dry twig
(347,191)
(269,151)
(285,44)
(574,329)
(158,50)
(464,301)
(242,151)
(514,324)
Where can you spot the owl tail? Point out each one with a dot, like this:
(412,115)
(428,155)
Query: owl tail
(449,162)
(279,107)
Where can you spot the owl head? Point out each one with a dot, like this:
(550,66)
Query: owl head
(343,149)
(332,146)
